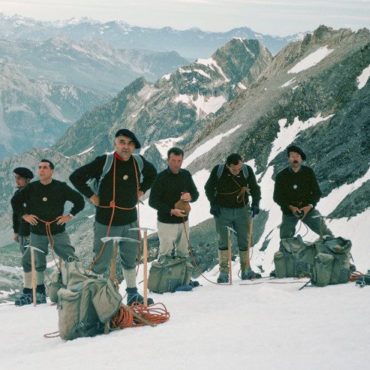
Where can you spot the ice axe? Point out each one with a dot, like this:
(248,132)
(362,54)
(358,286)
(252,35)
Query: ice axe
(33,271)
(145,258)
(229,231)
(116,239)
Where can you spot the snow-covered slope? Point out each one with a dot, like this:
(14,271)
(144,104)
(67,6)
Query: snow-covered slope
(257,327)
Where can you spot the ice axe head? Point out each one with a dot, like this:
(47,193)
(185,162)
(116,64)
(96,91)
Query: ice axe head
(34,248)
(230,230)
(141,229)
(119,239)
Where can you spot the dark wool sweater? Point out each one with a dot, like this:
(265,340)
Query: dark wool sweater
(125,187)
(297,189)
(224,190)
(20,227)
(166,191)
(47,203)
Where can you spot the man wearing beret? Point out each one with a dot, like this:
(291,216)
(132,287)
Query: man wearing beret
(297,193)
(41,204)
(122,179)
(21,228)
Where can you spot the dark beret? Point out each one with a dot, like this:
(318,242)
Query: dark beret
(131,135)
(23,172)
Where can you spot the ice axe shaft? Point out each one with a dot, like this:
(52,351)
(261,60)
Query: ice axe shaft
(116,240)
(33,271)
(229,251)
(145,259)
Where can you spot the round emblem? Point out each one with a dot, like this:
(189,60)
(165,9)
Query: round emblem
(44,199)
(295,186)
(125,177)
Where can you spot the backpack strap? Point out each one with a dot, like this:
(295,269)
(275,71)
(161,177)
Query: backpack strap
(221,167)
(220,170)
(107,166)
(140,163)
(245,171)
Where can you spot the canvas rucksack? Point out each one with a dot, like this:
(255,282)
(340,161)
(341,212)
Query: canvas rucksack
(86,304)
(294,259)
(95,183)
(170,273)
(332,263)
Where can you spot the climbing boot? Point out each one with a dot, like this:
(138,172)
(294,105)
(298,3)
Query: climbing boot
(133,296)
(223,257)
(249,274)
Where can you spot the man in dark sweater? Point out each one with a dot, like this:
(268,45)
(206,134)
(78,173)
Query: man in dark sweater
(297,193)
(171,185)
(21,228)
(128,176)
(227,190)
(41,204)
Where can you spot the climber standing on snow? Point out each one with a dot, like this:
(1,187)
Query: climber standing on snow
(122,179)
(297,193)
(227,190)
(41,204)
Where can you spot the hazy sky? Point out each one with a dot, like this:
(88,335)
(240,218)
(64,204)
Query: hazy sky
(277,17)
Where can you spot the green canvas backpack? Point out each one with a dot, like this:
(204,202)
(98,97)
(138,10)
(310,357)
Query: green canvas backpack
(168,274)
(332,263)
(295,258)
(86,303)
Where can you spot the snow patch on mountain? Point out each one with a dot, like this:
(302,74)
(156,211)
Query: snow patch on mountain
(363,77)
(203,104)
(211,63)
(338,194)
(167,76)
(288,133)
(207,146)
(311,60)
(165,144)
(86,151)
(288,83)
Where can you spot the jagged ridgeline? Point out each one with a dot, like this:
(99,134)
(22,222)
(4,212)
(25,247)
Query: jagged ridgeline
(242,99)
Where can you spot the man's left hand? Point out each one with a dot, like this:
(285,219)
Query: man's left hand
(306,209)
(140,194)
(64,219)
(255,209)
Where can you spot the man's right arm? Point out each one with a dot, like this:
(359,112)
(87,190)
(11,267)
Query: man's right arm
(211,185)
(18,201)
(155,198)
(278,196)
(89,171)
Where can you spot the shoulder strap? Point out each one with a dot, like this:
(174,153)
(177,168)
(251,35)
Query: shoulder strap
(245,171)
(140,164)
(107,165)
(220,170)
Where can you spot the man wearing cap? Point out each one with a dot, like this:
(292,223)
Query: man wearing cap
(227,190)
(41,204)
(297,193)
(127,177)
(21,228)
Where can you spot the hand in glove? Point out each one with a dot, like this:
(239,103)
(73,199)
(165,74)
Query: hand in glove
(215,210)
(255,209)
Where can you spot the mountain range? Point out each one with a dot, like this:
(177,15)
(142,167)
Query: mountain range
(314,93)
